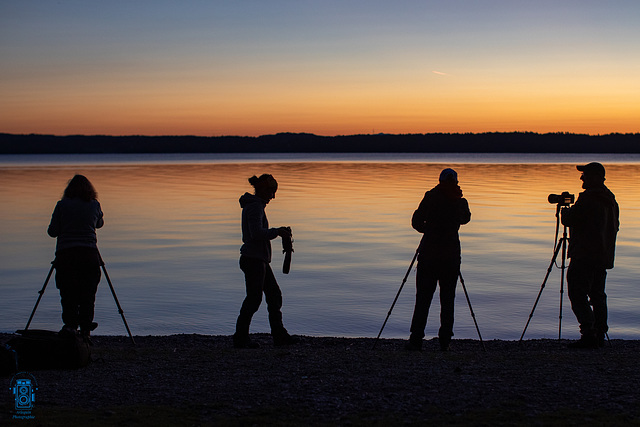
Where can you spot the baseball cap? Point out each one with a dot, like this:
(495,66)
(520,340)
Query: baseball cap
(594,168)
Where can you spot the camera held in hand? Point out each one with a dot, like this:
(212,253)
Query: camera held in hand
(287,250)
(564,199)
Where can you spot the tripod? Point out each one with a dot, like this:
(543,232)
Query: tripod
(396,298)
(560,245)
(404,280)
(113,292)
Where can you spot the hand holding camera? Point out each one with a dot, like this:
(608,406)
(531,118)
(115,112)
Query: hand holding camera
(284,232)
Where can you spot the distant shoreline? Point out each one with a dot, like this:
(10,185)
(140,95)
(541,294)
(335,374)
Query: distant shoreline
(492,142)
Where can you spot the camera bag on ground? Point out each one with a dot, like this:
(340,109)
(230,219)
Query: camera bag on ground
(39,349)
(8,361)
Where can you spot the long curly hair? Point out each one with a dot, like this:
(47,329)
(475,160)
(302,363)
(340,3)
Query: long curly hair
(79,187)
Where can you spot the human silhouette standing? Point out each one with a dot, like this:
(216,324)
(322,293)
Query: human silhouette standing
(255,257)
(438,217)
(74,222)
(593,223)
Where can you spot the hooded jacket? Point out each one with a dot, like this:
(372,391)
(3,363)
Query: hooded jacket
(593,223)
(256,234)
(439,216)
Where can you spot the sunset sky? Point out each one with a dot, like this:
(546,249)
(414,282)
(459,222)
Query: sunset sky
(325,67)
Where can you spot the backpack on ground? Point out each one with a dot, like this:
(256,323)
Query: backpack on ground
(40,349)
(8,361)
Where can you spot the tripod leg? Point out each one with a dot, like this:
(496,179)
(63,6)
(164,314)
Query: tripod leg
(396,298)
(471,309)
(40,292)
(113,292)
(553,260)
(562,279)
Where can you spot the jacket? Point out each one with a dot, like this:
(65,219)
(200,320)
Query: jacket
(438,217)
(593,223)
(256,234)
(74,223)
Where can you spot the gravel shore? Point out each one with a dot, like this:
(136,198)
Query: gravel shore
(201,380)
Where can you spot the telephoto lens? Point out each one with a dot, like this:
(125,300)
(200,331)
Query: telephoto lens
(287,249)
(564,199)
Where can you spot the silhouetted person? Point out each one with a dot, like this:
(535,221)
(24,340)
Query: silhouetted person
(255,257)
(74,222)
(439,216)
(593,223)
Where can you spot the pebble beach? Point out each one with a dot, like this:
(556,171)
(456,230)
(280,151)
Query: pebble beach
(203,380)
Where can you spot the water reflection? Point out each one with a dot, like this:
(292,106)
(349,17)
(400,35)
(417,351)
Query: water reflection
(172,234)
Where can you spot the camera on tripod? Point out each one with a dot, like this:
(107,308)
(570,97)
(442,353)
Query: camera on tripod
(561,201)
(564,199)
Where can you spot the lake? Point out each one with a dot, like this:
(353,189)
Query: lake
(172,235)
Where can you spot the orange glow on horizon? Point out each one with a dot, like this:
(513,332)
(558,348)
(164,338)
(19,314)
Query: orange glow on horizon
(402,118)
(436,103)
(250,69)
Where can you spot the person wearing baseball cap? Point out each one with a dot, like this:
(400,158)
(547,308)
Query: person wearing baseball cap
(438,217)
(593,223)
(594,169)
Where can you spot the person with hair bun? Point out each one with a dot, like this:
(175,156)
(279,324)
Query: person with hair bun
(255,257)
(74,222)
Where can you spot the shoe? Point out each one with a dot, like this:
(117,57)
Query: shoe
(86,329)
(86,332)
(585,342)
(413,345)
(445,344)
(600,339)
(86,336)
(285,339)
(244,342)
(68,331)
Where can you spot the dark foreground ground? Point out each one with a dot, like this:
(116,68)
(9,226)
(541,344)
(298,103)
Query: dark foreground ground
(201,380)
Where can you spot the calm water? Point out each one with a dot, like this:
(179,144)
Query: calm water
(172,234)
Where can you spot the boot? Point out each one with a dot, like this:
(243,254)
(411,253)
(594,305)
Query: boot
(85,332)
(444,343)
(414,343)
(600,338)
(243,341)
(68,331)
(283,338)
(587,340)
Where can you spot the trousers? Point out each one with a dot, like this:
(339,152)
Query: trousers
(259,280)
(77,278)
(585,285)
(431,273)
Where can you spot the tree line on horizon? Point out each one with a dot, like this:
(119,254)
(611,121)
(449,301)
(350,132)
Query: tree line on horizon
(490,142)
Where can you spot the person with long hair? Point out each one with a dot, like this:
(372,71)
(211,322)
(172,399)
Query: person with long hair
(74,222)
(255,257)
